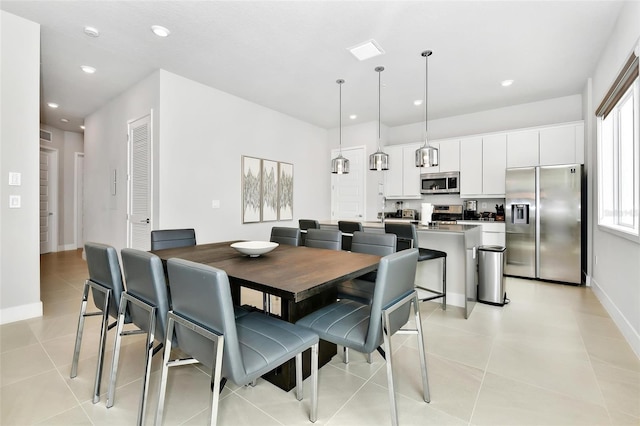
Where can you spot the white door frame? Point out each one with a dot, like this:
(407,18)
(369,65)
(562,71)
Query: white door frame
(151,176)
(53,196)
(78,220)
(334,153)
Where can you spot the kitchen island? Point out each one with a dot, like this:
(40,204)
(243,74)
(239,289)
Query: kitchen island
(460,242)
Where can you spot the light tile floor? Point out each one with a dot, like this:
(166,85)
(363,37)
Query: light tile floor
(551,357)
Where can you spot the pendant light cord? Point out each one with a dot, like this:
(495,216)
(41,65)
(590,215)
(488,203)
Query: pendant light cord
(340,81)
(426,55)
(379,71)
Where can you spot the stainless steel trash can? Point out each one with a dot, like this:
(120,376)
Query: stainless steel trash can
(491,281)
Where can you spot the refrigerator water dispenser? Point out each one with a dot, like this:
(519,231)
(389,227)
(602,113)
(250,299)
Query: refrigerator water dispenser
(520,214)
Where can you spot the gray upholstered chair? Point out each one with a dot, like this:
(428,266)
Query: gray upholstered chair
(105,282)
(324,238)
(365,327)
(172,238)
(361,289)
(288,236)
(241,349)
(306,224)
(147,301)
(408,237)
(348,228)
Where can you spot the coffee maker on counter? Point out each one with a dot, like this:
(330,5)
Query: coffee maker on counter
(470,210)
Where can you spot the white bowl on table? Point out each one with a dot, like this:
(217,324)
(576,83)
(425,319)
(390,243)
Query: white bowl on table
(254,248)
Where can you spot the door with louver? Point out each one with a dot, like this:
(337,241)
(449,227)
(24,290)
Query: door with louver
(139,215)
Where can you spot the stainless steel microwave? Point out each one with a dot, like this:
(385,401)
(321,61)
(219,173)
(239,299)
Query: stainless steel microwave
(440,183)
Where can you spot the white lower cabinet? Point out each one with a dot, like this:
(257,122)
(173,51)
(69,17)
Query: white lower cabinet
(493,233)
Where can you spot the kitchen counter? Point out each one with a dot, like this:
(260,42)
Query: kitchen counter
(460,242)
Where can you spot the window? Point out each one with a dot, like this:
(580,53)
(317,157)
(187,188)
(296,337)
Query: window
(618,154)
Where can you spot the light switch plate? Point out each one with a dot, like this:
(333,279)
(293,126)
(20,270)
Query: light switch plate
(14,201)
(215,204)
(15,179)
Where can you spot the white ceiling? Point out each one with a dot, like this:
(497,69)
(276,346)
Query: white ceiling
(287,55)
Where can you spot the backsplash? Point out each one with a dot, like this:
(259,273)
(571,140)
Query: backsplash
(484,204)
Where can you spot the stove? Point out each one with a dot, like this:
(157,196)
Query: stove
(446,214)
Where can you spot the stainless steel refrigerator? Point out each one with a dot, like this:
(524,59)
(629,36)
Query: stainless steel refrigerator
(545,224)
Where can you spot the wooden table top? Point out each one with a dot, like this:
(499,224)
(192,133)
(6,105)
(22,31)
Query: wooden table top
(293,273)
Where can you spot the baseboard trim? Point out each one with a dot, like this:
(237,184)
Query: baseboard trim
(19,313)
(629,333)
(67,247)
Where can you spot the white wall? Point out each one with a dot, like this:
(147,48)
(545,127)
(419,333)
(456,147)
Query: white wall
(550,111)
(67,143)
(204,132)
(19,152)
(105,147)
(616,275)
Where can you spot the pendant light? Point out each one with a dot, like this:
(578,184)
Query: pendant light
(426,155)
(379,160)
(340,165)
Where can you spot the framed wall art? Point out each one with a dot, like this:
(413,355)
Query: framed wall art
(269,190)
(251,189)
(285,191)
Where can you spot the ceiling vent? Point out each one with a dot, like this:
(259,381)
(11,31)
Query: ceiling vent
(46,136)
(368,49)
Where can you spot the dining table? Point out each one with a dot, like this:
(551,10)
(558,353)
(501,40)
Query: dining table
(304,278)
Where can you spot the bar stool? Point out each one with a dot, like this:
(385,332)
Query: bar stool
(348,228)
(305,224)
(408,238)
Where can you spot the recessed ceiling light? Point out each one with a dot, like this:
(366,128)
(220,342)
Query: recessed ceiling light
(160,31)
(82,126)
(506,83)
(418,102)
(91,32)
(353,117)
(64,120)
(366,50)
(53,105)
(88,69)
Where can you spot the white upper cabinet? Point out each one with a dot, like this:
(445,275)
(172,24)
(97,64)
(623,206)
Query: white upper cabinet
(470,166)
(393,177)
(449,155)
(483,161)
(558,145)
(494,164)
(522,148)
(411,173)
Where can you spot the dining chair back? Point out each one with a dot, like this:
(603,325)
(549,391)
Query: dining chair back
(324,238)
(348,228)
(283,235)
(361,289)
(147,301)
(306,224)
(106,286)
(172,238)
(365,328)
(240,349)
(408,237)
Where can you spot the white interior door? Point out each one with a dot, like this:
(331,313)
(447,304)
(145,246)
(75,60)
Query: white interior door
(348,191)
(139,214)
(79,199)
(48,200)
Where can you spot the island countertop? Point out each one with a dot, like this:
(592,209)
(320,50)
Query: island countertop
(419,227)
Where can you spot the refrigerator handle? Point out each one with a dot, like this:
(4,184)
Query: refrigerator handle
(537,223)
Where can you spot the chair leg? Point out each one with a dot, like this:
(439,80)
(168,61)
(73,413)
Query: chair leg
(314,383)
(390,379)
(299,390)
(345,353)
(266,303)
(421,351)
(162,390)
(369,358)
(81,317)
(103,343)
(444,283)
(142,407)
(216,375)
(116,352)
